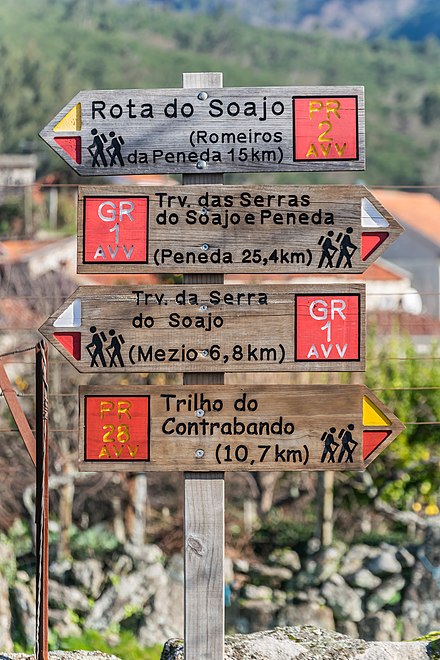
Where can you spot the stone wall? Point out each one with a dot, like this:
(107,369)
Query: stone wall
(384,593)
(375,593)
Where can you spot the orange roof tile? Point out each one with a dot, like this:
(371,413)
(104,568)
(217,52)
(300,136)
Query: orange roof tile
(421,211)
(14,313)
(12,251)
(414,324)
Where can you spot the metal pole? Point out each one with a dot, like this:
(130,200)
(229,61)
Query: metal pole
(42,502)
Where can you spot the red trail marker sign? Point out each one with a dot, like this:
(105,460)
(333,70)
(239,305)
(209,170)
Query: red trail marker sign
(203,328)
(231,428)
(231,229)
(237,129)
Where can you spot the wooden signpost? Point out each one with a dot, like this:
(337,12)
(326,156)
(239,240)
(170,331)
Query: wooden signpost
(212,328)
(204,327)
(206,427)
(255,129)
(231,229)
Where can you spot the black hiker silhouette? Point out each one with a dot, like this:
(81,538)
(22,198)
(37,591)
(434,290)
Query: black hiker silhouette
(114,151)
(330,445)
(96,149)
(328,250)
(96,346)
(349,444)
(114,349)
(346,249)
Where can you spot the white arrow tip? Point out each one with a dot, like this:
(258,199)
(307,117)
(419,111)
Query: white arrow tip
(371,217)
(71,317)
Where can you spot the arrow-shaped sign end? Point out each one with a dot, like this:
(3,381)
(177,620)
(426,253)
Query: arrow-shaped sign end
(381,427)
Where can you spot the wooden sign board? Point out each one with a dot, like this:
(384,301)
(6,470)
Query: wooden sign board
(237,129)
(231,229)
(212,328)
(211,428)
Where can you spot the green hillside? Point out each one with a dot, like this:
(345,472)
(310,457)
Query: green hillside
(51,49)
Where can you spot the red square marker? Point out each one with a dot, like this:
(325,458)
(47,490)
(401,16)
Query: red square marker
(327,328)
(117,428)
(325,128)
(115,230)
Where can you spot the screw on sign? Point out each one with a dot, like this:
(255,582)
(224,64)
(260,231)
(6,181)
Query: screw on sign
(215,130)
(207,428)
(212,328)
(292,229)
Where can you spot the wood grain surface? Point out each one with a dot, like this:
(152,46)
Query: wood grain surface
(229,229)
(204,328)
(236,129)
(233,428)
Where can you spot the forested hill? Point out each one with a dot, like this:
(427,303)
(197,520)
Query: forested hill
(365,19)
(51,49)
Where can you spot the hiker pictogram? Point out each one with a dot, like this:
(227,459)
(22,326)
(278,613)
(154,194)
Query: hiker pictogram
(97,149)
(347,446)
(344,251)
(98,349)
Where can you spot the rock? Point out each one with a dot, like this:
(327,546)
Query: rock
(5,616)
(354,559)
(304,614)
(421,604)
(228,570)
(123,566)
(148,599)
(61,570)
(126,597)
(23,609)
(348,628)
(309,643)
(60,621)
(380,627)
(274,576)
(165,617)
(279,597)
(8,575)
(257,615)
(311,595)
(241,566)
(344,601)
(363,579)
(385,562)
(8,562)
(89,575)
(252,592)
(389,593)
(325,563)
(144,554)
(175,568)
(64,597)
(405,558)
(287,558)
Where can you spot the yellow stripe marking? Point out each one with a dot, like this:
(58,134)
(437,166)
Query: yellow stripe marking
(71,121)
(372,415)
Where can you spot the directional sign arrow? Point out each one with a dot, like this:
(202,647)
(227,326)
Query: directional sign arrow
(258,129)
(255,427)
(231,229)
(212,328)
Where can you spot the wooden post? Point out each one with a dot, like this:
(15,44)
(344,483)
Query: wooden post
(204,496)
(325,505)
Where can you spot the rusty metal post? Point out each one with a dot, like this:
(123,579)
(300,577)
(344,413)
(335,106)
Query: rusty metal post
(42,502)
